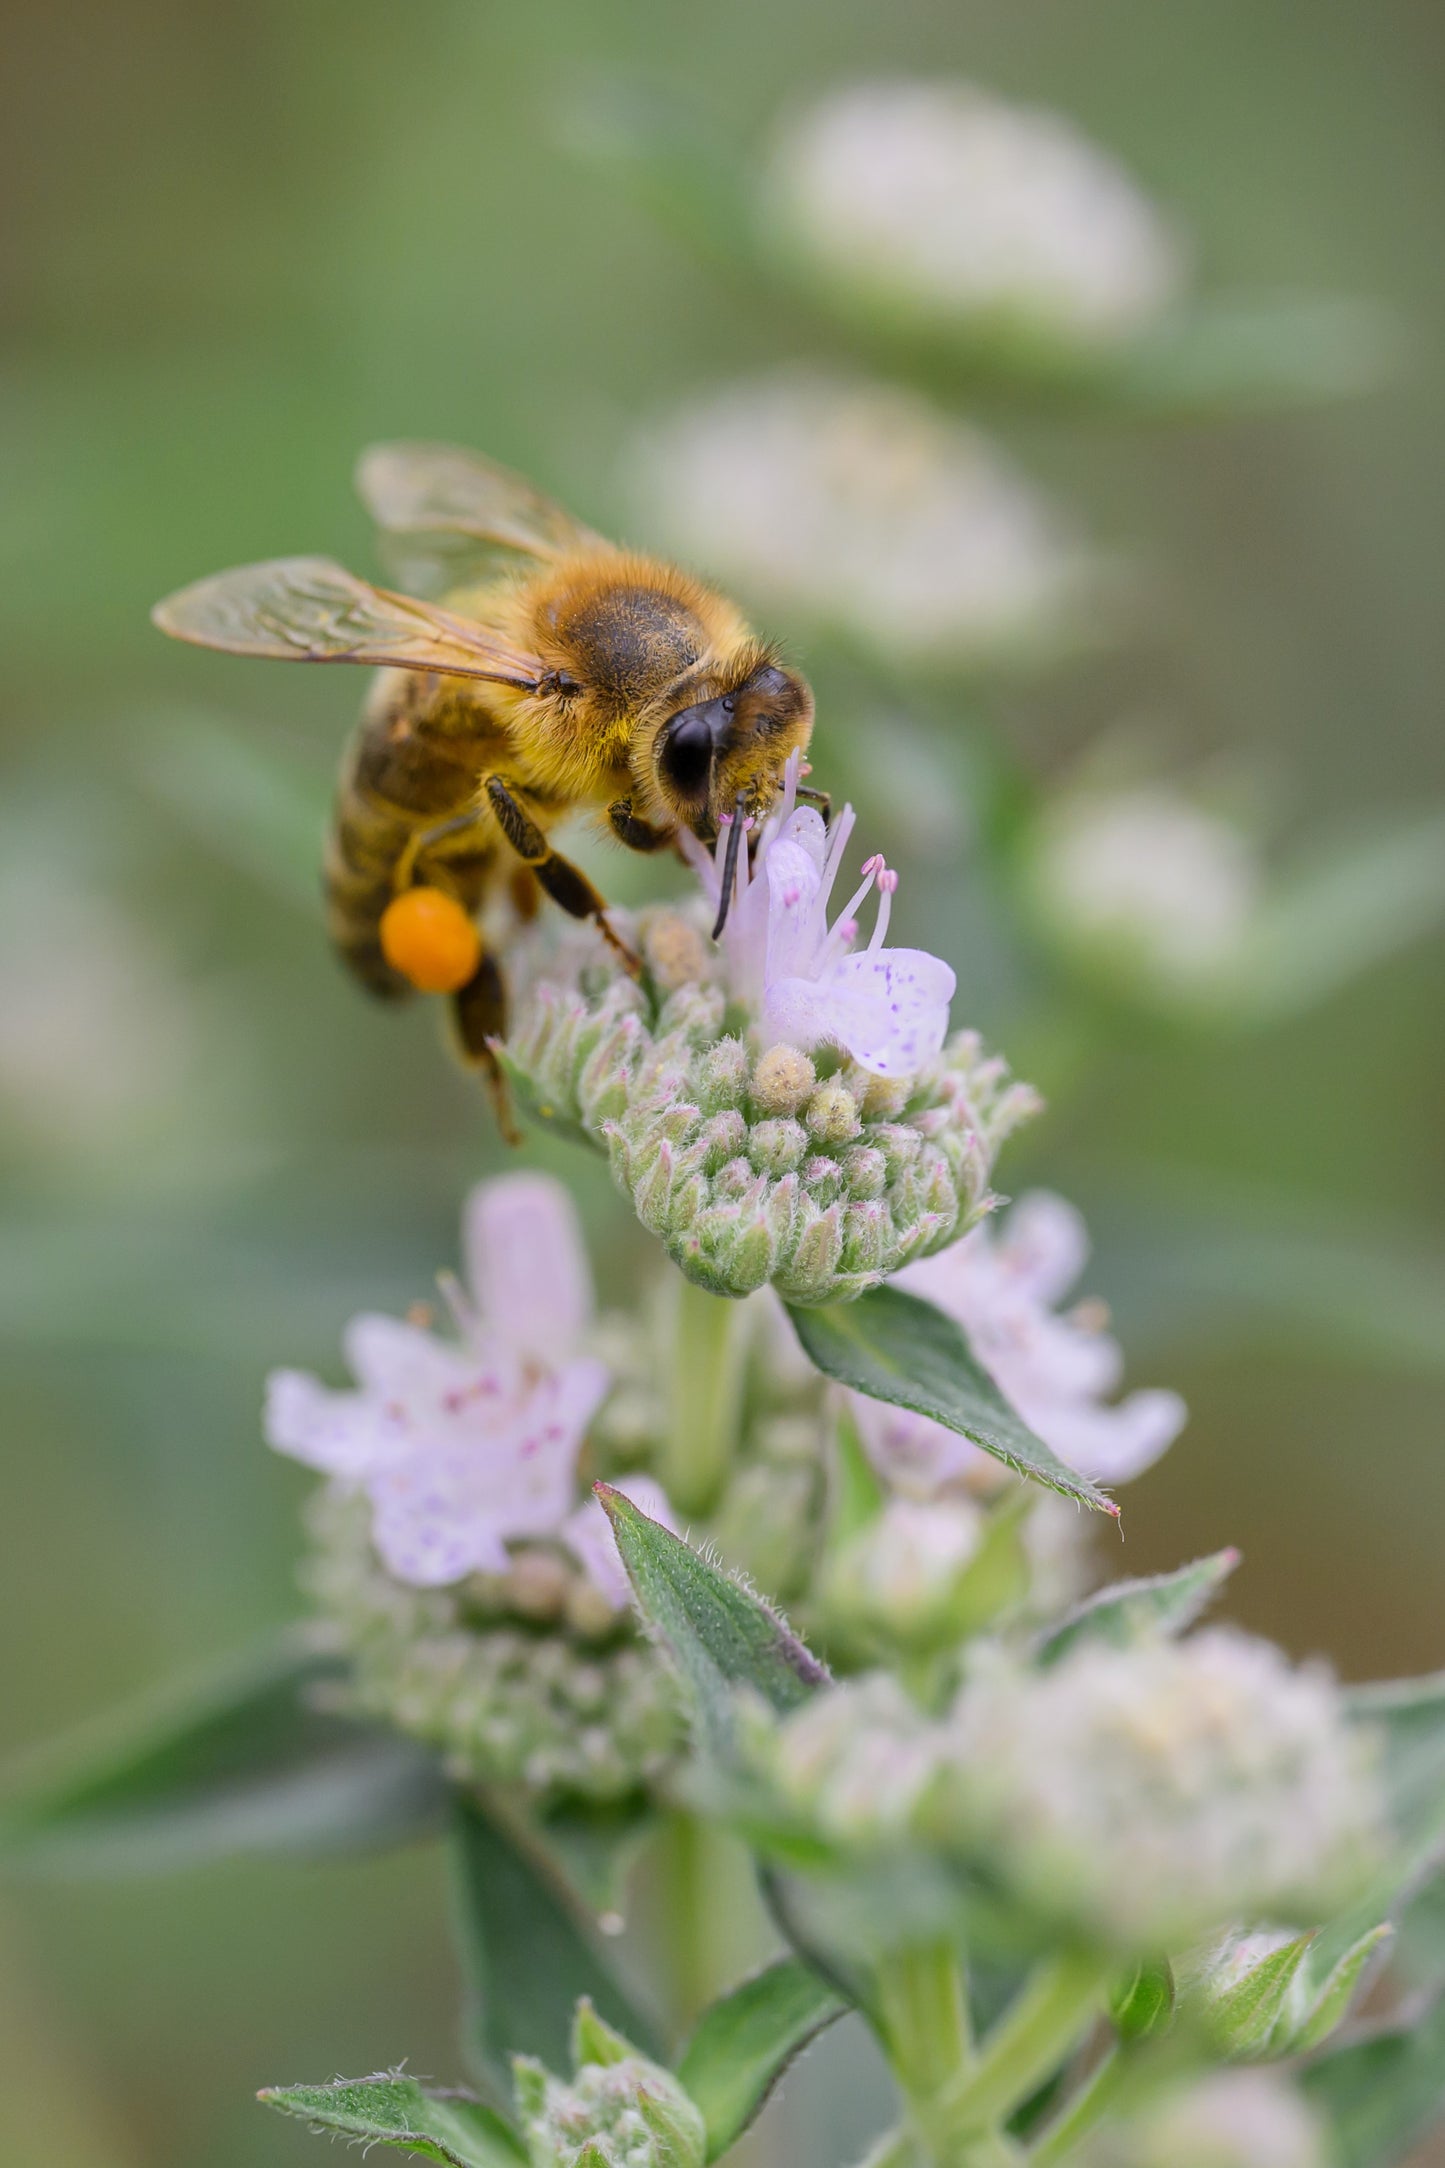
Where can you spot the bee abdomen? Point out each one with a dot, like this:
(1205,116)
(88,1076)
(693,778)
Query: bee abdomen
(392,788)
(358,884)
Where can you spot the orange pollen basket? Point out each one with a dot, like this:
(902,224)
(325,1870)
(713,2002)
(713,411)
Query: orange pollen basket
(429,939)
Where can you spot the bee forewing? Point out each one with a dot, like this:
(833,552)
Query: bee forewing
(307,609)
(443,489)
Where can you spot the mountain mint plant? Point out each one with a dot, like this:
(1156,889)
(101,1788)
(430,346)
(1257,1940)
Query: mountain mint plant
(784,1562)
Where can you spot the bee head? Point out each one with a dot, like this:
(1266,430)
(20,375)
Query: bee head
(731,746)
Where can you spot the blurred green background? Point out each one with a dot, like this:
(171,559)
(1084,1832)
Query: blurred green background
(244,240)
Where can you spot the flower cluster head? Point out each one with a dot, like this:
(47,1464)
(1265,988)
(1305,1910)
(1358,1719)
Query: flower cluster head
(937,204)
(1001,1282)
(474,1581)
(1149,887)
(861,509)
(1140,1797)
(619,2110)
(786,1108)
(1153,1793)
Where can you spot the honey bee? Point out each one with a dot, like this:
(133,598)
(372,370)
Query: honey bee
(558,671)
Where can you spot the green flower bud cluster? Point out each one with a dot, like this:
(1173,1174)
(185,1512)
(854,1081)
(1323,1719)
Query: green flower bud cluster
(759,1165)
(619,2111)
(527,1677)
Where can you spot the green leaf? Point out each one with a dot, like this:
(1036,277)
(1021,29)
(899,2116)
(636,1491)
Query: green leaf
(249,1759)
(897,1348)
(1410,1715)
(1127,1612)
(1245,2016)
(451,2127)
(745,2042)
(1382,2093)
(1332,2003)
(1407,1717)
(529,1950)
(719,1635)
(857,1493)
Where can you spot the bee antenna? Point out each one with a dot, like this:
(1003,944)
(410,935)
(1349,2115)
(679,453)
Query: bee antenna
(730,866)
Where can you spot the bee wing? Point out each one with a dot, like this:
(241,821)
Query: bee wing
(440,489)
(307,609)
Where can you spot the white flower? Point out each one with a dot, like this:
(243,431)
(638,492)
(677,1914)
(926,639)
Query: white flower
(1153,1793)
(803,980)
(464,1446)
(1001,1282)
(1148,881)
(1230,2119)
(935,200)
(860,508)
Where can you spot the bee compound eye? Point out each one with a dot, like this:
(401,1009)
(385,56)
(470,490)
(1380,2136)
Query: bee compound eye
(686,752)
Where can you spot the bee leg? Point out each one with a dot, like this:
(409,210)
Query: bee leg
(822,799)
(479,1012)
(565,883)
(637,834)
(421,840)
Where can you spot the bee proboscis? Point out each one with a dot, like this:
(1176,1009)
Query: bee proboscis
(571,674)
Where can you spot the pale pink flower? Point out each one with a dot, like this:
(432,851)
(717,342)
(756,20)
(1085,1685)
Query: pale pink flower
(463,1446)
(804,981)
(1002,1284)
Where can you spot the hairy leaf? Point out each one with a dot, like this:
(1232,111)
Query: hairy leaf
(718,1634)
(451,2127)
(1331,2004)
(745,2042)
(1130,1611)
(529,1950)
(1246,2017)
(894,1347)
(249,1759)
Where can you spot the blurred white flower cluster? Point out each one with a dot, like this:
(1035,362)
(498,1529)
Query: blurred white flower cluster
(938,202)
(1151,1793)
(1148,885)
(864,510)
(1138,1796)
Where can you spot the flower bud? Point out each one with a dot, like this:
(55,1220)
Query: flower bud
(898,1583)
(619,2111)
(782,1079)
(585,1710)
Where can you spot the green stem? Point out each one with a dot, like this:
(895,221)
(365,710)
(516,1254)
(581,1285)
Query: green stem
(705,1382)
(922,2016)
(1082,2113)
(895,2149)
(1025,2047)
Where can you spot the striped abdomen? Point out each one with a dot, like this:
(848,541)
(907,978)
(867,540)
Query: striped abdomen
(414,762)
